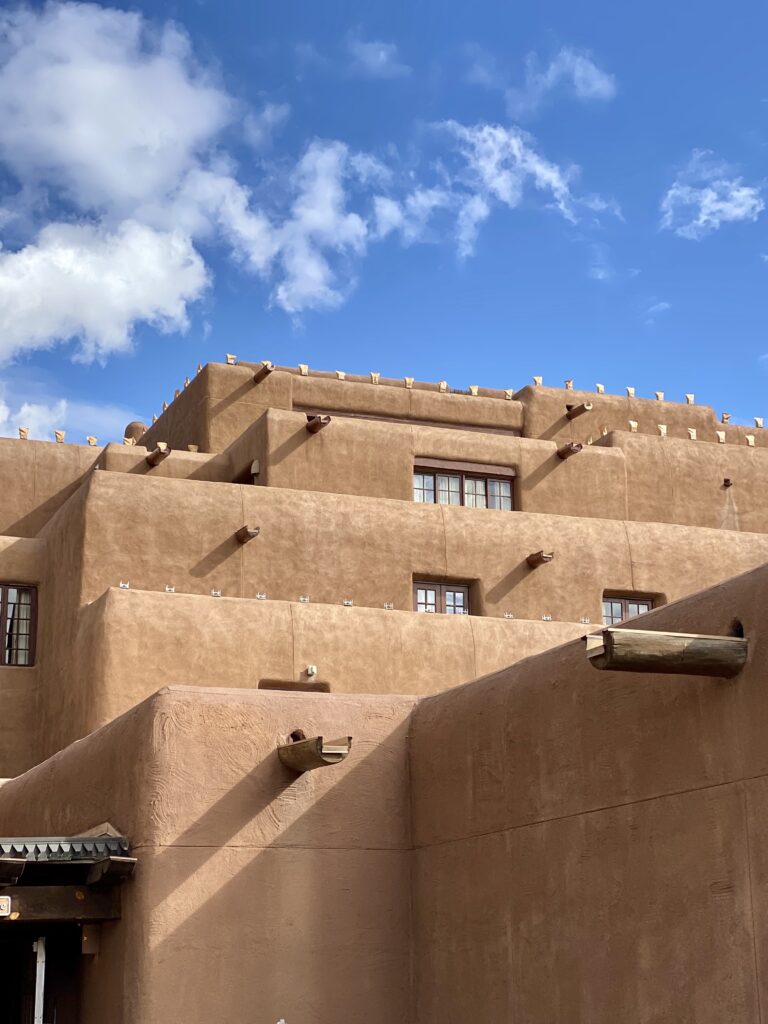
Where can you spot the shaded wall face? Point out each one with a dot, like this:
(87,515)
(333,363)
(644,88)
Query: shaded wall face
(259,894)
(590,845)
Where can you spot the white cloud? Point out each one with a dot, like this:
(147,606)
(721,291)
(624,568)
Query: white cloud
(570,71)
(80,281)
(654,309)
(706,194)
(374,58)
(93,103)
(112,124)
(501,162)
(260,127)
(77,419)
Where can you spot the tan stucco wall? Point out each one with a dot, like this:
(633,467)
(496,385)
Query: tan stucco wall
(333,547)
(36,478)
(259,894)
(592,845)
(133,642)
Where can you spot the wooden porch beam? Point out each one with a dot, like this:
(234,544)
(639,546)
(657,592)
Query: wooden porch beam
(62,903)
(647,650)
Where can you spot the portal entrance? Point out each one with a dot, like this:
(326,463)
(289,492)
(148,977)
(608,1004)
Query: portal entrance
(25,959)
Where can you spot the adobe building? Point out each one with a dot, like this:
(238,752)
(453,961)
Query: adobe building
(531,805)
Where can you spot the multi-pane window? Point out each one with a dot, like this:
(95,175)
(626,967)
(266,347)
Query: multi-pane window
(617,609)
(17,614)
(459,488)
(448,598)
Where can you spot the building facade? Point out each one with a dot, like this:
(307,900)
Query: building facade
(287,553)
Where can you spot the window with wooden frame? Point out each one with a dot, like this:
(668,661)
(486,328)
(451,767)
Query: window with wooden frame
(18,614)
(620,607)
(438,481)
(444,598)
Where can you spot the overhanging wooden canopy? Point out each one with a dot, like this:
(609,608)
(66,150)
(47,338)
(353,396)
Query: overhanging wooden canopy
(62,878)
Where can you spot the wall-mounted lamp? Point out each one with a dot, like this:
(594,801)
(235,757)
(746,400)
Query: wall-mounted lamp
(569,449)
(572,411)
(315,423)
(246,533)
(161,452)
(539,558)
(263,372)
(302,755)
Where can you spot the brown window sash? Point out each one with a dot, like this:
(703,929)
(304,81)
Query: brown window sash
(446,594)
(644,604)
(468,472)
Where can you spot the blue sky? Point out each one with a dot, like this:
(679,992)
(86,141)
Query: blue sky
(478,193)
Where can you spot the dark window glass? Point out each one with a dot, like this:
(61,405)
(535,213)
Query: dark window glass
(618,609)
(448,598)
(17,613)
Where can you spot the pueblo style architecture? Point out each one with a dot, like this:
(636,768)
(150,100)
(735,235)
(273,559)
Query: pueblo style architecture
(325,699)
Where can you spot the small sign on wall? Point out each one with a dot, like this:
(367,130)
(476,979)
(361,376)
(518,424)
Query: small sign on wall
(5,906)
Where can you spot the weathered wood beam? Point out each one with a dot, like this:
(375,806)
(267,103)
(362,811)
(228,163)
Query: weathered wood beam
(646,650)
(161,452)
(538,558)
(305,755)
(263,372)
(568,449)
(246,533)
(578,410)
(315,423)
(62,903)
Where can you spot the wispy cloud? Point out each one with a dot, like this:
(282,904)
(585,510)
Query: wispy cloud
(570,72)
(600,265)
(706,194)
(374,58)
(260,126)
(44,415)
(653,309)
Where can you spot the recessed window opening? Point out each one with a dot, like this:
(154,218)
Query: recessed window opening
(18,615)
(620,607)
(450,483)
(441,598)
